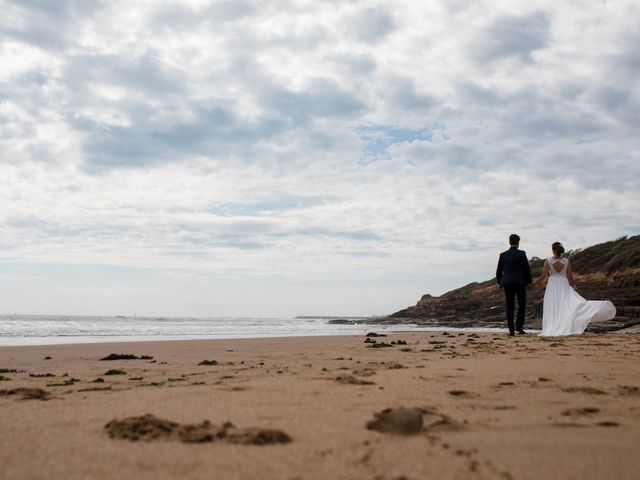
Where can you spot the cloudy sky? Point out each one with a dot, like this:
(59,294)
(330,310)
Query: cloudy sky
(281,157)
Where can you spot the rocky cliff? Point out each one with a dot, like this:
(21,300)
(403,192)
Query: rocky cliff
(608,271)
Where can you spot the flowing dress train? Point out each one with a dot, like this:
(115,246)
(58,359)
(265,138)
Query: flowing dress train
(564,311)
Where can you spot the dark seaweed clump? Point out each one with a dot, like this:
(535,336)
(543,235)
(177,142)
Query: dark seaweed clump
(126,356)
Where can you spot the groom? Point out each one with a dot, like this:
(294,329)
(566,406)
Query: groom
(514,275)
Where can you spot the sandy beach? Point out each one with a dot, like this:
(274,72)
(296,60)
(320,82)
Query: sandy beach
(462,406)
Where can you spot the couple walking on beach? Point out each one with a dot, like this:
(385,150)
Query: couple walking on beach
(564,311)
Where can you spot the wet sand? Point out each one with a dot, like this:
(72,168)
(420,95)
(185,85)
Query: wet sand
(446,406)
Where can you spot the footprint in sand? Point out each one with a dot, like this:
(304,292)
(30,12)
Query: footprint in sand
(587,390)
(628,390)
(567,425)
(608,424)
(27,393)
(462,394)
(94,389)
(581,411)
(504,384)
(351,380)
(366,372)
(395,366)
(375,344)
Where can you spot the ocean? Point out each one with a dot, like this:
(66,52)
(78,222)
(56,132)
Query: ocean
(62,329)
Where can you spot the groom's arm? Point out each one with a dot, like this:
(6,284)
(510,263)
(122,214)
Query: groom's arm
(499,269)
(527,269)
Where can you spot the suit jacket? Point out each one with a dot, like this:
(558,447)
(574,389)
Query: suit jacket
(513,268)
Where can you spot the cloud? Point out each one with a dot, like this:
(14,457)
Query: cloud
(513,36)
(352,64)
(45,24)
(332,144)
(404,98)
(322,98)
(370,25)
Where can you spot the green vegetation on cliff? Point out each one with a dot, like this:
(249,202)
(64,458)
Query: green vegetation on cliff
(607,257)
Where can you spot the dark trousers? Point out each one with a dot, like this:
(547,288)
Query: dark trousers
(510,294)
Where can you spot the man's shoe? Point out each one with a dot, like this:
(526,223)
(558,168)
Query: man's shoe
(521,331)
(511,334)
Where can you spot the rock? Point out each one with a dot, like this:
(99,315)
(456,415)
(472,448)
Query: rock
(201,433)
(400,421)
(208,362)
(411,421)
(148,428)
(257,436)
(144,428)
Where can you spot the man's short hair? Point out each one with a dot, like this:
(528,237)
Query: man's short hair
(514,239)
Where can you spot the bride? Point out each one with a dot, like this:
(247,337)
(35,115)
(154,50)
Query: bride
(565,312)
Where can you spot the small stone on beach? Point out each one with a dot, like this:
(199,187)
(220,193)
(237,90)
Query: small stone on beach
(401,421)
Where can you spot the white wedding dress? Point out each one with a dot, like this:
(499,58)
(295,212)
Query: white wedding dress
(564,311)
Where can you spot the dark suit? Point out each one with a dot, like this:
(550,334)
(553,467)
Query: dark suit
(514,274)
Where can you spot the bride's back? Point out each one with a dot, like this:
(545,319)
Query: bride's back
(557,266)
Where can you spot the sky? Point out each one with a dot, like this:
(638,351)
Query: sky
(279,158)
